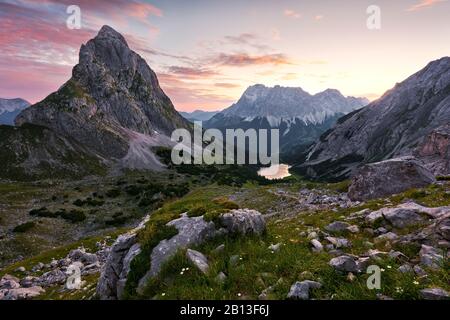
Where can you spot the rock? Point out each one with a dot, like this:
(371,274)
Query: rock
(191,231)
(402,218)
(219,249)
(312,235)
(419,271)
(28,281)
(381,230)
(353,229)
(386,237)
(362,263)
(397,255)
(110,275)
(434,150)
(23,293)
(82,255)
(339,242)
(337,226)
(385,178)
(350,277)
(344,264)
(52,278)
(198,259)
(300,290)
(431,257)
(275,247)
(221,278)
(9,282)
(20,269)
(374,217)
(405,268)
(376,254)
(37,267)
(243,221)
(434,294)
(317,246)
(234,260)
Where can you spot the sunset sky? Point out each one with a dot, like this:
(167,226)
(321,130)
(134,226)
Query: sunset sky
(206,52)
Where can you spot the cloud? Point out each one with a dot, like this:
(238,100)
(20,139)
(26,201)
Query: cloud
(243,59)
(318,17)
(424,4)
(292,14)
(192,72)
(226,85)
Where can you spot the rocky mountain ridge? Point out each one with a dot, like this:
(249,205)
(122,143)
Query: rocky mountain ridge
(395,125)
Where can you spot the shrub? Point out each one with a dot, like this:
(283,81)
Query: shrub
(196,212)
(73,216)
(24,227)
(113,193)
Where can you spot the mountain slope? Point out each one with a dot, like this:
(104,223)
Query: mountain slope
(10,108)
(34,152)
(392,126)
(113,104)
(300,116)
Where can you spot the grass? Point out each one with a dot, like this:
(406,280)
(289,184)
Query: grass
(259,268)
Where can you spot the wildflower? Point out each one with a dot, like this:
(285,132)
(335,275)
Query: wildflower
(416,282)
(163,294)
(382,270)
(389,267)
(239,294)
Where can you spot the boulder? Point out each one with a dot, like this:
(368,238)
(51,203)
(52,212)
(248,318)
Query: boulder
(344,264)
(434,151)
(300,290)
(316,245)
(198,259)
(431,257)
(22,293)
(82,256)
(402,218)
(385,178)
(243,221)
(191,231)
(434,294)
(337,226)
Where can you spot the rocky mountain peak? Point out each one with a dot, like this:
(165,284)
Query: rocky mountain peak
(113,103)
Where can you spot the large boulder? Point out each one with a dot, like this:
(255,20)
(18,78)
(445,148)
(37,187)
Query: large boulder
(243,221)
(385,178)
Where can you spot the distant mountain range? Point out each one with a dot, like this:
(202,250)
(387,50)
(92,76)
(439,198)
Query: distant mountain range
(199,115)
(300,116)
(410,119)
(10,108)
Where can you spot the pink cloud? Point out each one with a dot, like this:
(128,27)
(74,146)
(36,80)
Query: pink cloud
(243,59)
(424,4)
(292,14)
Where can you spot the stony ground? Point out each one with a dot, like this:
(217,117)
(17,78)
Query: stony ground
(317,245)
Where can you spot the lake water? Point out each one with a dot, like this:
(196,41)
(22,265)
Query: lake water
(274,172)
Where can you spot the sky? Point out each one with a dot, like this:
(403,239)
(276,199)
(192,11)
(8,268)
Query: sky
(207,52)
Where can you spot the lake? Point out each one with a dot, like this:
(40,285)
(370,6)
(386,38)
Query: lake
(274,172)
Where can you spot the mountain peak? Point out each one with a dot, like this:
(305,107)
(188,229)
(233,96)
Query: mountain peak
(108,33)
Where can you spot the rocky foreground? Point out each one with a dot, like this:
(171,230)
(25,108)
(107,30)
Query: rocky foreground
(339,243)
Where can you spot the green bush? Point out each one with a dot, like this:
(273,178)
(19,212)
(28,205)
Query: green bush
(24,227)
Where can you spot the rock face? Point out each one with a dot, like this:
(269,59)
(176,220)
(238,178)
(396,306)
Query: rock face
(344,264)
(435,151)
(10,108)
(300,116)
(113,104)
(388,177)
(243,221)
(435,294)
(389,127)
